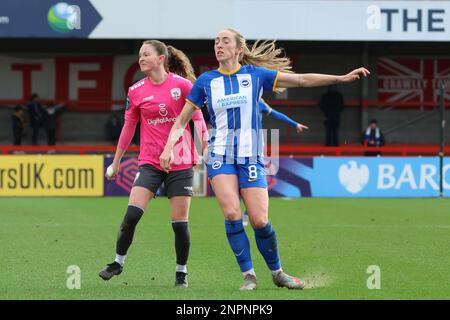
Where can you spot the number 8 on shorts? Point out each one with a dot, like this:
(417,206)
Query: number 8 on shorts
(252,172)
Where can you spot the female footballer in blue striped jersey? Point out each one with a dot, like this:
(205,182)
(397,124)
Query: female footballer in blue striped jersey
(235,153)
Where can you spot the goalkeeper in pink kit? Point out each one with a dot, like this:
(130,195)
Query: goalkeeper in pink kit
(155,102)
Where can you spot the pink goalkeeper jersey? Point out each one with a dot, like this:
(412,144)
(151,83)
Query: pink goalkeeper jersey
(157,106)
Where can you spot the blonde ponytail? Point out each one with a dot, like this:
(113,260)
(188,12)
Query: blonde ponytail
(263,54)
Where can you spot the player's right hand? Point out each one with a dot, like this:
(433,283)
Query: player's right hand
(115,168)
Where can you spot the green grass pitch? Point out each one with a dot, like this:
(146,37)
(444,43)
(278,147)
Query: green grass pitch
(327,242)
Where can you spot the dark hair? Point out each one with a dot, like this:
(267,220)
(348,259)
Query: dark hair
(373,121)
(34,95)
(176,61)
(18,108)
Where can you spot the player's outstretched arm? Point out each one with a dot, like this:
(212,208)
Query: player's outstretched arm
(175,133)
(292,80)
(284,118)
(267,110)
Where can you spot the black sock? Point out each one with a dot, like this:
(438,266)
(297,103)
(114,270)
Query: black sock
(182,241)
(126,231)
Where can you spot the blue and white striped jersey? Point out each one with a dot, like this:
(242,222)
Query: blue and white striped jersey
(233,101)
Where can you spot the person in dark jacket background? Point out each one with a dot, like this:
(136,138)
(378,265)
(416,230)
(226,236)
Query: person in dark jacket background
(114,126)
(51,113)
(36,114)
(332,103)
(18,125)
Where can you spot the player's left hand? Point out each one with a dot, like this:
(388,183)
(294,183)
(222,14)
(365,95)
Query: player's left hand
(355,75)
(300,128)
(165,159)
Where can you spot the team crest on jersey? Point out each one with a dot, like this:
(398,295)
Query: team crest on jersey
(175,93)
(245,83)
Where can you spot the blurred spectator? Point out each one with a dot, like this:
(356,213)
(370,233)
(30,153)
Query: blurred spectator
(332,104)
(51,113)
(36,115)
(373,137)
(114,126)
(18,125)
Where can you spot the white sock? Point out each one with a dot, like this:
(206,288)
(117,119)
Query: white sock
(120,259)
(181,268)
(251,271)
(274,272)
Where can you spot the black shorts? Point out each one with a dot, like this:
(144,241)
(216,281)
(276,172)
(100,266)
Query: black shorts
(176,183)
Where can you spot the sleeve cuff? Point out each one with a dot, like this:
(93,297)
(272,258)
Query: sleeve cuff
(275,82)
(193,104)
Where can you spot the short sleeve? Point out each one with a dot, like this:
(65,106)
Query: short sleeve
(197,95)
(131,110)
(269,78)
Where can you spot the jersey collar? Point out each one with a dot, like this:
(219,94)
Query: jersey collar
(231,72)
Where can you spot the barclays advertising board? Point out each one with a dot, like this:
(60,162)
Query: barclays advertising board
(360,177)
